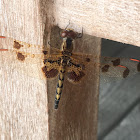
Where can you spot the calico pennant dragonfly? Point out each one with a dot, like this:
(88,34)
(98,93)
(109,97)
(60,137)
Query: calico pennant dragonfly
(73,65)
(56,62)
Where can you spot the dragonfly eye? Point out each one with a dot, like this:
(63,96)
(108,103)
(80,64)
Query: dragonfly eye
(72,34)
(64,34)
(69,34)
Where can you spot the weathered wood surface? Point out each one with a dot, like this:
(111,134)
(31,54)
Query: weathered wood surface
(23,100)
(27,103)
(116,19)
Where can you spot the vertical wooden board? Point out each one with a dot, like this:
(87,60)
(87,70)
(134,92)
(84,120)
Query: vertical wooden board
(76,116)
(25,20)
(23,99)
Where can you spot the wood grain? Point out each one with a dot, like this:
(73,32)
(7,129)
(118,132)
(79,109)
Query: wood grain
(113,19)
(27,103)
(23,99)
(116,20)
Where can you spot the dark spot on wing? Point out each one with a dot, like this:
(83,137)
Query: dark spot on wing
(105,68)
(116,62)
(88,59)
(20,56)
(49,74)
(138,67)
(76,65)
(45,52)
(126,73)
(17,45)
(74,77)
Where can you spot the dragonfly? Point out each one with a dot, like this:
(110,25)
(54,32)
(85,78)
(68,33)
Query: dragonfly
(57,62)
(65,63)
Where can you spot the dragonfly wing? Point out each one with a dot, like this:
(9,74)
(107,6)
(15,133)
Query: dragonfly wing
(79,67)
(76,69)
(47,49)
(28,58)
(82,58)
(24,50)
(118,68)
(49,73)
(73,77)
(51,66)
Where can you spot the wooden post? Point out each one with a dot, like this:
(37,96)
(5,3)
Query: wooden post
(27,102)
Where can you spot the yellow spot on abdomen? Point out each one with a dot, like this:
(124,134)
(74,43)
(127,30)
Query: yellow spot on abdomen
(59,90)
(60,83)
(57,96)
(61,76)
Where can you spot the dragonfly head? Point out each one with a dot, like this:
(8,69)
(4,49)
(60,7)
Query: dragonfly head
(68,36)
(69,33)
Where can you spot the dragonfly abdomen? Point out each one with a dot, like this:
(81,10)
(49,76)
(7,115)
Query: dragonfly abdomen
(59,86)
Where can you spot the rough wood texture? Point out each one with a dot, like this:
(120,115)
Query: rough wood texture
(27,109)
(23,99)
(116,19)
(25,20)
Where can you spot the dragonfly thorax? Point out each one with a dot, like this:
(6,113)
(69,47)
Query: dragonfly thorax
(65,60)
(66,53)
(67,44)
